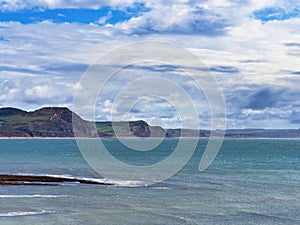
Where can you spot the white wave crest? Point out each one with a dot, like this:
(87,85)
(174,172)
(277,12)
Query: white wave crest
(24,213)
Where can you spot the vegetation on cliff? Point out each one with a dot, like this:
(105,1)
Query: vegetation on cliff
(57,122)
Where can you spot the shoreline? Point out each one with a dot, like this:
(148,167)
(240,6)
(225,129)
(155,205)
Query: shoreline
(137,138)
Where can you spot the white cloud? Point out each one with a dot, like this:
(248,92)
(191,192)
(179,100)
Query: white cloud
(33,56)
(14,5)
(104,19)
(177,17)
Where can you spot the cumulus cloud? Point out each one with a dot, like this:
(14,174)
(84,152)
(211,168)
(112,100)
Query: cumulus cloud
(30,93)
(252,48)
(177,19)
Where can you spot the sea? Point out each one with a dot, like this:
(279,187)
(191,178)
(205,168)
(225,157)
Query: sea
(251,181)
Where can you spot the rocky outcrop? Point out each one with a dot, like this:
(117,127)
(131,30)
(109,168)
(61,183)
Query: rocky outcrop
(6,179)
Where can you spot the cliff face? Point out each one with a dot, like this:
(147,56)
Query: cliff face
(45,122)
(51,122)
(57,122)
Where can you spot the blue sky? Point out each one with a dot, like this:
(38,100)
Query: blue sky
(251,47)
(73,15)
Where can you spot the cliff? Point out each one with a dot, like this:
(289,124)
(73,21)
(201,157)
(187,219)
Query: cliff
(57,122)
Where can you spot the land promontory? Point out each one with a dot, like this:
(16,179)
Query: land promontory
(58,122)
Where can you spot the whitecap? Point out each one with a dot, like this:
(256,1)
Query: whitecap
(24,213)
(161,188)
(121,183)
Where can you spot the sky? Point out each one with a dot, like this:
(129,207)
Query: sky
(251,47)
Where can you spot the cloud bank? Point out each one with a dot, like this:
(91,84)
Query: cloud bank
(252,47)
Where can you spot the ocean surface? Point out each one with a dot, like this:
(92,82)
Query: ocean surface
(252,181)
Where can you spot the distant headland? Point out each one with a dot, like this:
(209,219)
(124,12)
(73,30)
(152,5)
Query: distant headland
(57,122)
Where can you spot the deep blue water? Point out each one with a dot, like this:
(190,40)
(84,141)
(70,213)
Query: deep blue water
(252,181)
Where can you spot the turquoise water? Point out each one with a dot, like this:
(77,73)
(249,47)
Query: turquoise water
(252,181)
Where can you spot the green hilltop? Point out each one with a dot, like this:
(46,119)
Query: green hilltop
(57,122)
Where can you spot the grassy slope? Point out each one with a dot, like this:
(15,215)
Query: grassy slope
(22,120)
(122,128)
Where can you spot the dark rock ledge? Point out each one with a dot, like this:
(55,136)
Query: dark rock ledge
(6,179)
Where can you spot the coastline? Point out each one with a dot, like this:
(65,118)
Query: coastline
(137,138)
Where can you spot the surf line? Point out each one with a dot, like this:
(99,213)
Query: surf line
(6,179)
